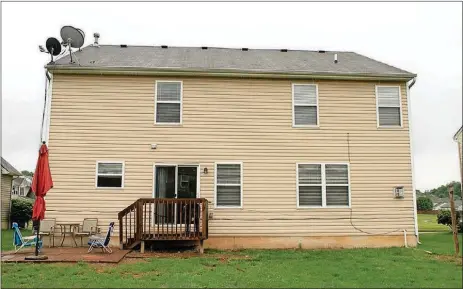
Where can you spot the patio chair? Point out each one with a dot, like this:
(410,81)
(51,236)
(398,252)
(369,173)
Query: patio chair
(47,228)
(98,241)
(89,227)
(20,242)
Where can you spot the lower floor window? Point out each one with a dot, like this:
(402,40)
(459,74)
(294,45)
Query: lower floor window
(228,184)
(323,185)
(110,175)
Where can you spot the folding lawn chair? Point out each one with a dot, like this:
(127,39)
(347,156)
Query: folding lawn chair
(20,242)
(98,241)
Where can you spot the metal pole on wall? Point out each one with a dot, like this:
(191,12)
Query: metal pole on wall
(454,220)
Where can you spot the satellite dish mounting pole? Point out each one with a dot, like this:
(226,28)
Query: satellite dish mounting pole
(70,50)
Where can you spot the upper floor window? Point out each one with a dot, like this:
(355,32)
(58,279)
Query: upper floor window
(323,185)
(110,175)
(168,105)
(388,106)
(305,105)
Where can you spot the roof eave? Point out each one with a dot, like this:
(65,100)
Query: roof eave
(455,136)
(222,73)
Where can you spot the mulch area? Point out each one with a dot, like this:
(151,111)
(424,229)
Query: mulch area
(66,254)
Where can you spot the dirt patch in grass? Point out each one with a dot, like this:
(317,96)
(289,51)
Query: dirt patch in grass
(448,258)
(223,258)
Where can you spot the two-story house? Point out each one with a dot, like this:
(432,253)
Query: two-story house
(290,148)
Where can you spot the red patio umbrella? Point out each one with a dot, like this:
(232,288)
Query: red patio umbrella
(41,183)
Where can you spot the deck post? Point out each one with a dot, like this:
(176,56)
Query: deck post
(201,246)
(142,247)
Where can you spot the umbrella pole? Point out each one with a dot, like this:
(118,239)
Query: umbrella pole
(36,256)
(37,239)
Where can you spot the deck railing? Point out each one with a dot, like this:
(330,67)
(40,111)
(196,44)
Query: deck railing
(163,219)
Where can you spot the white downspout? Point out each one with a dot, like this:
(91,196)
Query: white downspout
(46,136)
(415,215)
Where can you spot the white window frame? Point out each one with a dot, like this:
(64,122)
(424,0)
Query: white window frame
(110,162)
(323,185)
(400,107)
(163,101)
(215,185)
(293,105)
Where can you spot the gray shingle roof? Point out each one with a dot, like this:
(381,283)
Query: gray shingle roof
(230,59)
(8,167)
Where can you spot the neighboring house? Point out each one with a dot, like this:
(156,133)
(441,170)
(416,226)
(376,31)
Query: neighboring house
(291,148)
(8,173)
(458,138)
(21,187)
(446,206)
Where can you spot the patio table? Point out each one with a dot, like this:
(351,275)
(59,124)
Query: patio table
(69,230)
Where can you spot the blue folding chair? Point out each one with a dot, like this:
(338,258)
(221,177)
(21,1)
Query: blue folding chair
(20,242)
(98,241)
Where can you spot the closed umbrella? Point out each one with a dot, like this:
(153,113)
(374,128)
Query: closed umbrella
(41,184)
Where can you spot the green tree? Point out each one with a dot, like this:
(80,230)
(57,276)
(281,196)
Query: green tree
(27,173)
(424,204)
(21,211)
(444,217)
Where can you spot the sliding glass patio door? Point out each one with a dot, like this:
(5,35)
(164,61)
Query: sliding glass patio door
(173,181)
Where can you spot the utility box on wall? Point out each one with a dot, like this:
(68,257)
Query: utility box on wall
(398,192)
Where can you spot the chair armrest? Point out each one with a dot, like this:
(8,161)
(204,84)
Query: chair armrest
(98,238)
(29,237)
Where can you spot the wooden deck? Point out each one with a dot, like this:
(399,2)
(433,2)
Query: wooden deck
(163,220)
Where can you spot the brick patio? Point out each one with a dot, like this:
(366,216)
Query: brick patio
(66,254)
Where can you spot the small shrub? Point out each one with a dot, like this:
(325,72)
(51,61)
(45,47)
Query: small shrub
(424,204)
(21,211)
(444,217)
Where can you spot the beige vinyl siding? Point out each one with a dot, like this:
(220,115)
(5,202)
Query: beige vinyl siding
(229,120)
(6,199)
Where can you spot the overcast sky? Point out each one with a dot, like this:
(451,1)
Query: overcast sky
(424,38)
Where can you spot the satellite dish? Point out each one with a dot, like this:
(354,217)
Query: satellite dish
(72,36)
(53,46)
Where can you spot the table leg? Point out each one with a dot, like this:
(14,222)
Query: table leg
(74,238)
(64,235)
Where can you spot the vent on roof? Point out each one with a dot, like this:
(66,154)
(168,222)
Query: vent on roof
(335,58)
(203,47)
(284,50)
(164,46)
(244,49)
(321,51)
(123,45)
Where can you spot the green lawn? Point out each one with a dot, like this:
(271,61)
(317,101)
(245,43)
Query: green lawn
(440,243)
(393,267)
(428,223)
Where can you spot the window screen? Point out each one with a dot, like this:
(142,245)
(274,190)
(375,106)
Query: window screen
(388,106)
(305,104)
(323,185)
(110,175)
(228,185)
(168,102)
